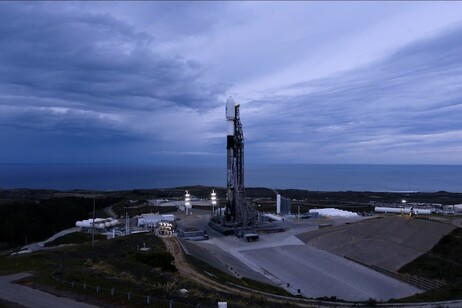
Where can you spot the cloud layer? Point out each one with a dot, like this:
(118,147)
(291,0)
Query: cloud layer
(88,75)
(403,108)
(145,82)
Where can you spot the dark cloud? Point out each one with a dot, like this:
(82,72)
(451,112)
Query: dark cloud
(68,73)
(84,85)
(408,102)
(91,61)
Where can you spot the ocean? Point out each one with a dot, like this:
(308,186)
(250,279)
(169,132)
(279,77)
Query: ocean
(423,178)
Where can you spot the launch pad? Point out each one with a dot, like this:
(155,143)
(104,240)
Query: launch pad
(239,216)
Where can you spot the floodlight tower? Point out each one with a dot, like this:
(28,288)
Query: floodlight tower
(187,203)
(213,199)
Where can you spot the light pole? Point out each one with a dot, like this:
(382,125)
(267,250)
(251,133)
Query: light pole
(213,198)
(93,225)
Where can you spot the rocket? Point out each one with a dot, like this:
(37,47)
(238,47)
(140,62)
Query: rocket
(230,145)
(230,119)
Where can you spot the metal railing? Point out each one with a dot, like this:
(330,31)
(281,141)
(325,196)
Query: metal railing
(416,281)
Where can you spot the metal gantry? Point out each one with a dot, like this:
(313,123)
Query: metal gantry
(238,211)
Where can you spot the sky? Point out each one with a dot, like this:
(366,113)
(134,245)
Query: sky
(146,82)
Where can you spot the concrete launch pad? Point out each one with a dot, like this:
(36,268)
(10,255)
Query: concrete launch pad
(284,260)
(318,273)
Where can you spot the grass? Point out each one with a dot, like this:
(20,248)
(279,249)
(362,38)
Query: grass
(161,260)
(442,262)
(220,276)
(122,209)
(74,238)
(118,264)
(111,264)
(256,300)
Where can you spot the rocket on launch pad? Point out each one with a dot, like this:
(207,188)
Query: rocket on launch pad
(238,214)
(237,211)
(239,217)
(232,147)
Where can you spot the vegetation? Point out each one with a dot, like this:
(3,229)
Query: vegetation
(111,264)
(24,222)
(364,197)
(34,215)
(118,264)
(218,275)
(442,262)
(125,208)
(74,238)
(162,260)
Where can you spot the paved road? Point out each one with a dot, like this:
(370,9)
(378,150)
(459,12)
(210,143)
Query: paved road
(29,297)
(40,245)
(108,210)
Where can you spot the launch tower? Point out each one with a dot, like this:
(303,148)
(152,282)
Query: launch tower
(239,214)
(238,211)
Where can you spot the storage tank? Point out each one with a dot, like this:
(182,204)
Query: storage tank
(422,211)
(329,212)
(100,223)
(273,217)
(84,224)
(398,210)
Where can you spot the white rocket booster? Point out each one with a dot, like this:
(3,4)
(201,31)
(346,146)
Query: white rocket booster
(230,120)
(230,140)
(230,115)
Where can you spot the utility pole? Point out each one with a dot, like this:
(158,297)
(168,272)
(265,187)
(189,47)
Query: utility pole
(93,231)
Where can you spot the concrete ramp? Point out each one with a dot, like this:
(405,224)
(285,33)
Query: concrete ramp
(317,273)
(388,242)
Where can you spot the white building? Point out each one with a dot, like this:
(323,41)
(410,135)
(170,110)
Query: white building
(150,220)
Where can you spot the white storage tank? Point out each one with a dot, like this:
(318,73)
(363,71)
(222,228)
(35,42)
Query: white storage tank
(422,211)
(328,212)
(398,210)
(100,223)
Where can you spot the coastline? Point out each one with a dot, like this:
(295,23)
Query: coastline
(332,177)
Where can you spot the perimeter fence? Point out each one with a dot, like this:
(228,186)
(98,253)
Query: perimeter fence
(128,297)
(416,281)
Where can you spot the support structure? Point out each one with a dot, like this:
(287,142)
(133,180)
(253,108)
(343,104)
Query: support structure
(239,214)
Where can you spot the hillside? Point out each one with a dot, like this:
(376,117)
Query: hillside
(388,242)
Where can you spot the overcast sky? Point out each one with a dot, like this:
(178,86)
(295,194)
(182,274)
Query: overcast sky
(146,82)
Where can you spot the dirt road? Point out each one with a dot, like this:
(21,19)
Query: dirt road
(189,272)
